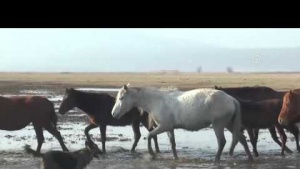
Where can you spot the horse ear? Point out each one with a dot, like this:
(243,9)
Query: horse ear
(291,94)
(125,87)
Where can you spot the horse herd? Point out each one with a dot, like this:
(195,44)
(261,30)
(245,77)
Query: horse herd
(163,110)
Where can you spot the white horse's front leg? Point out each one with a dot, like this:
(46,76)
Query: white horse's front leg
(159,129)
(173,143)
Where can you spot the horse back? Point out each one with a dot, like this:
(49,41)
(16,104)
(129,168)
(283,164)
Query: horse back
(26,108)
(260,114)
(98,107)
(253,93)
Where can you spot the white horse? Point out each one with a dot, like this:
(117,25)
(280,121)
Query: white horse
(191,110)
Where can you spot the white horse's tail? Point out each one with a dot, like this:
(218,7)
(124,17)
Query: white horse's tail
(237,118)
(237,131)
(236,126)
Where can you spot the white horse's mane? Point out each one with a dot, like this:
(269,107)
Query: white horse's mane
(169,89)
(160,91)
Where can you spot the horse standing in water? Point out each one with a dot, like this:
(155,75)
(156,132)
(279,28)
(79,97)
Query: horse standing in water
(19,111)
(98,107)
(261,93)
(191,110)
(260,115)
(290,111)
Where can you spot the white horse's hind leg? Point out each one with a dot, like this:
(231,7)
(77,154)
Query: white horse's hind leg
(238,136)
(233,144)
(219,131)
(157,130)
(173,143)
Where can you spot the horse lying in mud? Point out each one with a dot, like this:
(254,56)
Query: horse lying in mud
(19,111)
(98,107)
(191,110)
(261,93)
(67,160)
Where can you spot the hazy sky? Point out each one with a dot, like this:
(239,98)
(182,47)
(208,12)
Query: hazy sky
(123,49)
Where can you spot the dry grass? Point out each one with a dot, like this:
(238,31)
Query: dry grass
(184,81)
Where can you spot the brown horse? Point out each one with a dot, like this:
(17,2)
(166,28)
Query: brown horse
(261,115)
(19,111)
(290,112)
(260,93)
(98,107)
(256,93)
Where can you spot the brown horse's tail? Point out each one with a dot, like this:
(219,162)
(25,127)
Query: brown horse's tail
(28,150)
(53,117)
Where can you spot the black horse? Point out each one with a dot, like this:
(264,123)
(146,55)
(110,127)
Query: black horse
(98,107)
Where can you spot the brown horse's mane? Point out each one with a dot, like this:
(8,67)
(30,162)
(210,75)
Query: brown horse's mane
(86,101)
(89,94)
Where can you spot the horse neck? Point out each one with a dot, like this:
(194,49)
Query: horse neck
(147,99)
(86,101)
(298,106)
(280,94)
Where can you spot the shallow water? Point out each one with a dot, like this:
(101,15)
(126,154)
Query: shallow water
(195,149)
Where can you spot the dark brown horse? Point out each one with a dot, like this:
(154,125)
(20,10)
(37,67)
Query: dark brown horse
(256,93)
(98,107)
(262,115)
(19,111)
(290,112)
(261,93)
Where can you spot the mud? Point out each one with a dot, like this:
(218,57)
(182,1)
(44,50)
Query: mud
(195,149)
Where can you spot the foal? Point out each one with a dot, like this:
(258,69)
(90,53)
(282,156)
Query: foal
(98,107)
(260,115)
(67,160)
(261,93)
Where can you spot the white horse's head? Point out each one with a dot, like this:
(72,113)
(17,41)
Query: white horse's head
(124,102)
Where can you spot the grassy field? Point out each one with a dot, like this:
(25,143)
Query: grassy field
(11,82)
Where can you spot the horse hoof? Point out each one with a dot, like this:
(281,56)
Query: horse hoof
(153,157)
(217,162)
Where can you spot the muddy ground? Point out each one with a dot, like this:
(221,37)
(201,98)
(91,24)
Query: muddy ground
(195,149)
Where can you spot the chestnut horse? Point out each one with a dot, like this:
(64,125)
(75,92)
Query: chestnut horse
(19,111)
(261,115)
(260,93)
(98,107)
(290,112)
